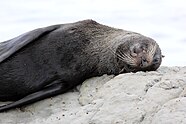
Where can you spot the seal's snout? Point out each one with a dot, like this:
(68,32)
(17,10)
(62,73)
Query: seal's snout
(144,62)
(157,60)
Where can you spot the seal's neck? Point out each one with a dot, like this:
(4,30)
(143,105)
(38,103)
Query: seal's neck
(104,49)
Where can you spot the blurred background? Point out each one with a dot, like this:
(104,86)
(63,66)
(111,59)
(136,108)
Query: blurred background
(162,20)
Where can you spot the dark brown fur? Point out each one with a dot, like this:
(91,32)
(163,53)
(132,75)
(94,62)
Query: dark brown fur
(63,56)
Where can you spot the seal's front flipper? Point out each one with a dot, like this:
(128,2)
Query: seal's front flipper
(49,91)
(9,47)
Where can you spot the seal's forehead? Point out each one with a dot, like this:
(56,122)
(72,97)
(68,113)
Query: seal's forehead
(136,45)
(136,42)
(145,42)
(140,44)
(137,38)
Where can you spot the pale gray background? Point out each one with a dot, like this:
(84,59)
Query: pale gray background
(163,20)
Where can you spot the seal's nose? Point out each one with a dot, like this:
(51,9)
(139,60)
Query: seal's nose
(144,62)
(156,60)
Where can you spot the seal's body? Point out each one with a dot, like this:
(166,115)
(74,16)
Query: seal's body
(49,61)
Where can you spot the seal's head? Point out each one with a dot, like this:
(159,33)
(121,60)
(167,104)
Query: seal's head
(138,53)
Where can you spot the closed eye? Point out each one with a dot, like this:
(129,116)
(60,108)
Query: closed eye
(130,68)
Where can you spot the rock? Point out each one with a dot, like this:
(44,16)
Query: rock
(172,112)
(140,98)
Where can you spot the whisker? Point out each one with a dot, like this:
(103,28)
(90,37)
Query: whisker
(118,55)
(128,59)
(151,51)
(123,57)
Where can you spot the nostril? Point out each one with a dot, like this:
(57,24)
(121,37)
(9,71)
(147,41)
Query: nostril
(144,62)
(156,60)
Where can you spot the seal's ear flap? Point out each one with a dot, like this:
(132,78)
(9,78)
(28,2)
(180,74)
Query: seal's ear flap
(9,47)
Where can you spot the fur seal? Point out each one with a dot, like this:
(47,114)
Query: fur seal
(49,61)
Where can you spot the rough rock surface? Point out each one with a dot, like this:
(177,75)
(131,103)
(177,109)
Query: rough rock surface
(134,98)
